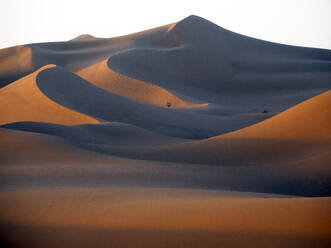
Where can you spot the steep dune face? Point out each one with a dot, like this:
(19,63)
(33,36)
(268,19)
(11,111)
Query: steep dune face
(102,76)
(23,101)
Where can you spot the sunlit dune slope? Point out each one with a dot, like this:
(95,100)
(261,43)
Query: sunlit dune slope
(307,121)
(102,76)
(23,101)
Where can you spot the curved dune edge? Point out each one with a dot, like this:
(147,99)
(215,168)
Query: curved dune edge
(296,134)
(104,77)
(22,100)
(91,100)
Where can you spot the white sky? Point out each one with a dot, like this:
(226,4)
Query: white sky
(295,22)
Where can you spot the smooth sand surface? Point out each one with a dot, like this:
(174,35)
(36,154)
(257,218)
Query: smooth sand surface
(48,161)
(23,101)
(185,135)
(172,214)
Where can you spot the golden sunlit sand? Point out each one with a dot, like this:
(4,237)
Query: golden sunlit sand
(23,101)
(185,135)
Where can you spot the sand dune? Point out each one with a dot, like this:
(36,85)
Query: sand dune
(75,54)
(245,62)
(45,161)
(107,106)
(23,101)
(102,76)
(210,216)
(185,135)
(296,134)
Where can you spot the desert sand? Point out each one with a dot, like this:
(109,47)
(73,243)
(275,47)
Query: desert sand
(185,135)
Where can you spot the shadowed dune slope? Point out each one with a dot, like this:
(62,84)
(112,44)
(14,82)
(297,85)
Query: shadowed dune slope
(214,65)
(113,133)
(86,98)
(23,101)
(47,162)
(212,58)
(102,76)
(296,134)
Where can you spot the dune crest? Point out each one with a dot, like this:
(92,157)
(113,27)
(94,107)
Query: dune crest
(24,101)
